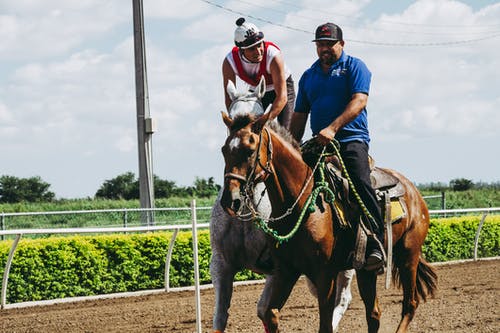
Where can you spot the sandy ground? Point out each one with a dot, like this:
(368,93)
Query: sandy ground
(467,301)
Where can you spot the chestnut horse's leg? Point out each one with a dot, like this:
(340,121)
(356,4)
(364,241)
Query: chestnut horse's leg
(326,287)
(367,285)
(408,277)
(276,291)
(407,261)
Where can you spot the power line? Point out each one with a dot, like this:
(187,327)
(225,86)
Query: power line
(383,21)
(368,42)
(461,33)
(255,17)
(449,43)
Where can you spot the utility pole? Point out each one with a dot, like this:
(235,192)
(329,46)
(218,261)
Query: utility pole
(145,124)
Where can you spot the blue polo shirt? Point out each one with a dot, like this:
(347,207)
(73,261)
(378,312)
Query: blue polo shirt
(325,96)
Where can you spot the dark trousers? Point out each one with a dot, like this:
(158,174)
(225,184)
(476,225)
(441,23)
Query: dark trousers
(285,116)
(355,157)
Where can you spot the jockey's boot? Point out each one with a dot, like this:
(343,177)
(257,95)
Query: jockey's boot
(374,256)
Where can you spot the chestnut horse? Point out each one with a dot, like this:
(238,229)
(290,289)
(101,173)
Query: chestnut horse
(310,242)
(238,244)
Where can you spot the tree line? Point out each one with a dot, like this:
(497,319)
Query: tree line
(124,186)
(458,184)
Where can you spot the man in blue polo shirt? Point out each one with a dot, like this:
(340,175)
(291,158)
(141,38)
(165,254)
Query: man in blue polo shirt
(334,91)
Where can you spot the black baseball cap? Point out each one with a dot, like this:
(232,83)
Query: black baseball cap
(328,31)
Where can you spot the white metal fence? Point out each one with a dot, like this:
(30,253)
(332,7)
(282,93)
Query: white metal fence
(125,217)
(441,196)
(194,226)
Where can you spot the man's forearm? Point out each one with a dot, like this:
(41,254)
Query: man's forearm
(298,125)
(352,110)
(277,106)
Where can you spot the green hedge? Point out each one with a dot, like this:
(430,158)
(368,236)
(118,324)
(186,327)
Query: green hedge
(453,238)
(59,267)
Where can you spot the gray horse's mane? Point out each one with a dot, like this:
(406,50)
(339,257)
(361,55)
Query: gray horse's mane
(243,120)
(284,133)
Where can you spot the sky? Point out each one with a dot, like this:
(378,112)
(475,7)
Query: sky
(67,85)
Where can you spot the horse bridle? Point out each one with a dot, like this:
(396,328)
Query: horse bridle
(251,179)
(249,183)
(246,99)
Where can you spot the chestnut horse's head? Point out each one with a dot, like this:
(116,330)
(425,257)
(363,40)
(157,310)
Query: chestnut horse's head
(243,162)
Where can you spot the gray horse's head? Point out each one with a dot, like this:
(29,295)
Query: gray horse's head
(248,102)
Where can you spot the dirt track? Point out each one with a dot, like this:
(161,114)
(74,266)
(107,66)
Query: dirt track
(467,301)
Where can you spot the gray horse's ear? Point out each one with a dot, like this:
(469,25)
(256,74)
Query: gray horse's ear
(226,119)
(260,90)
(231,90)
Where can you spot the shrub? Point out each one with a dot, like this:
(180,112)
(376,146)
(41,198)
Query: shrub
(453,238)
(59,267)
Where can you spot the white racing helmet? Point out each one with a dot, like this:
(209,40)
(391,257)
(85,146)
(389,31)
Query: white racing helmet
(247,34)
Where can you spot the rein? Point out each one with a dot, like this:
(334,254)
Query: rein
(250,180)
(321,186)
(358,197)
(266,169)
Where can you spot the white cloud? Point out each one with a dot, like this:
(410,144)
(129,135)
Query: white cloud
(174,9)
(29,73)
(210,134)
(126,142)
(218,28)
(67,96)
(5,114)
(49,28)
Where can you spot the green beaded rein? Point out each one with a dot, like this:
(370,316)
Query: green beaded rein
(320,186)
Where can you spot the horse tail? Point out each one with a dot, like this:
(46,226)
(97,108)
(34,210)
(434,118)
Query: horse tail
(426,280)
(426,284)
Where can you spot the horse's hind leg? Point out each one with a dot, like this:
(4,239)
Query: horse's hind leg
(407,263)
(222,278)
(367,285)
(276,291)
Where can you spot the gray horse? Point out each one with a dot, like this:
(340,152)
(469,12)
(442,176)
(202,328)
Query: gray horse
(237,244)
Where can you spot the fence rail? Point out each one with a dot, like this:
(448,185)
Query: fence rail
(107,217)
(125,212)
(464,211)
(125,217)
(442,196)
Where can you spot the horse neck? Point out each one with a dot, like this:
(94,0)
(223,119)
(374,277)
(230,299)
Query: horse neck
(290,175)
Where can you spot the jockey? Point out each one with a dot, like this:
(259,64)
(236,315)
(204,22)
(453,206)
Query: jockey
(252,58)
